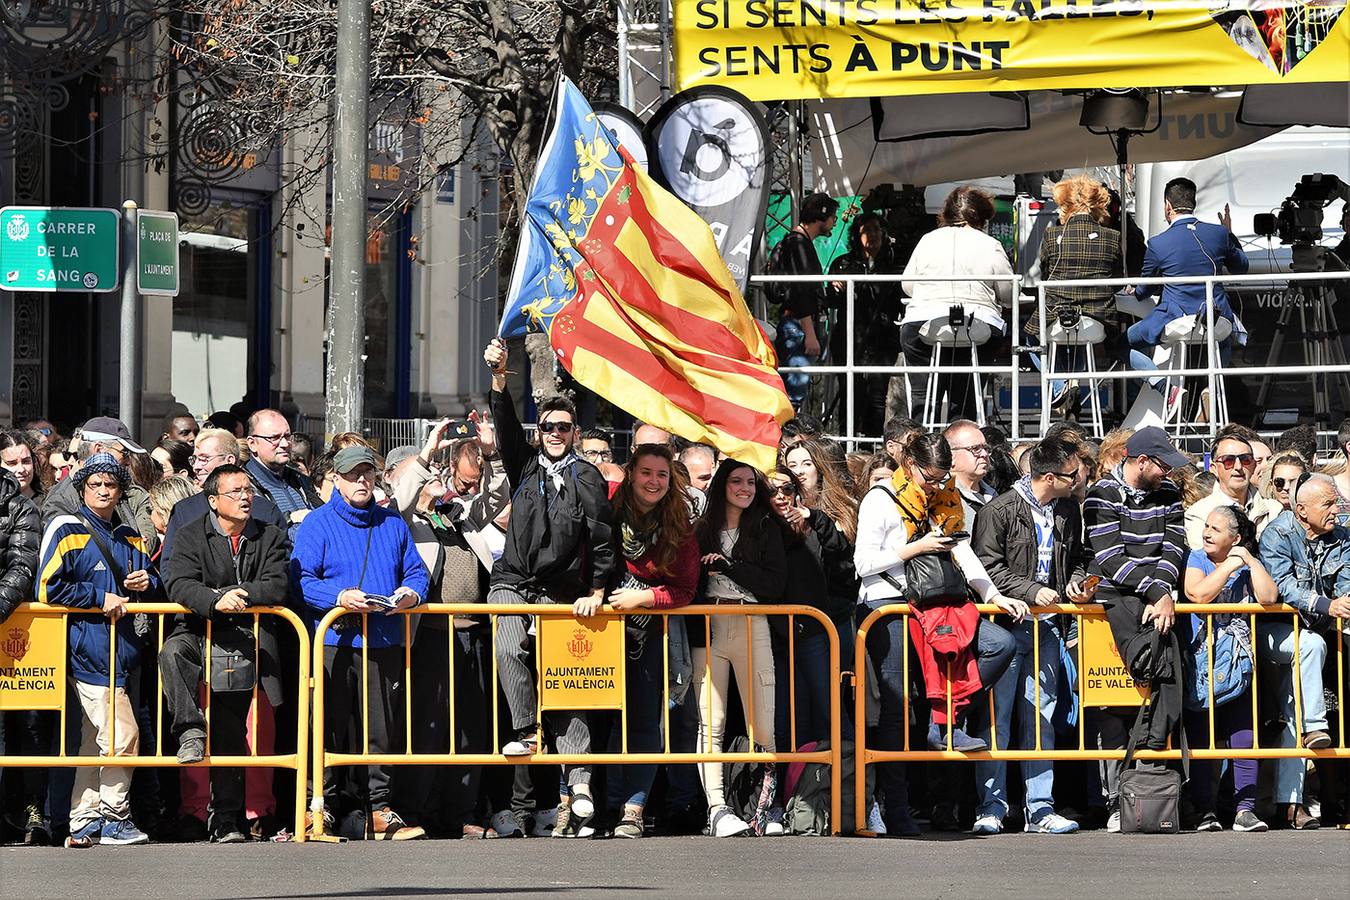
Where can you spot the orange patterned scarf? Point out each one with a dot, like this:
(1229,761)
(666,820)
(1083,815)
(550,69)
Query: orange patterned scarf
(917,507)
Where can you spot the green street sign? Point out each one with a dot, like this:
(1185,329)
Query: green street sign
(53,249)
(157,253)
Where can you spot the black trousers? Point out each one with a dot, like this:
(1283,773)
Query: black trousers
(181,665)
(440,796)
(959,389)
(342,667)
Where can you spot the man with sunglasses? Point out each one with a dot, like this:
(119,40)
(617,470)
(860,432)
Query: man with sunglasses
(559,549)
(1233,462)
(1030,541)
(1136,533)
(222,564)
(1308,554)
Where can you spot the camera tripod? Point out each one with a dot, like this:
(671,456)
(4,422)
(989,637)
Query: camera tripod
(1321,340)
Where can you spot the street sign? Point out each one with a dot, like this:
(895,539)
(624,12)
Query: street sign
(53,249)
(157,253)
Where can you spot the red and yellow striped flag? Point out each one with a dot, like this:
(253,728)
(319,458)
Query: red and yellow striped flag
(629,285)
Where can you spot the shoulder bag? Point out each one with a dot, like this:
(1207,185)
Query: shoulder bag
(1150,797)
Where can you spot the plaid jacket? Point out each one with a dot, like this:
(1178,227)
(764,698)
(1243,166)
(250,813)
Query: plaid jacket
(1080,248)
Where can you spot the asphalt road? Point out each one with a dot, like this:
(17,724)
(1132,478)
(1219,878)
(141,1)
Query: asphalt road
(1089,866)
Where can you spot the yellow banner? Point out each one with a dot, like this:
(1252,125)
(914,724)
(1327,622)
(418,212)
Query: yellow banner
(803,49)
(581,663)
(32,662)
(1106,681)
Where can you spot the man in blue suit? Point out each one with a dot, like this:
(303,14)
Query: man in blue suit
(1187,247)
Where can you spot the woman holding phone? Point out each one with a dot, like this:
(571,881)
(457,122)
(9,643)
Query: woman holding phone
(919,513)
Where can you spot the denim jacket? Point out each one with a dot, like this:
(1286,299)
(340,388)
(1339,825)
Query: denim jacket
(1308,573)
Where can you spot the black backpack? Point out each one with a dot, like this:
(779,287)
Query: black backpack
(750,787)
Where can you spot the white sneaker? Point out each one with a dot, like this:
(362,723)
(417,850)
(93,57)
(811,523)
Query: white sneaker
(527,747)
(506,825)
(774,827)
(987,825)
(875,823)
(722,822)
(583,807)
(1113,822)
(1051,823)
(544,822)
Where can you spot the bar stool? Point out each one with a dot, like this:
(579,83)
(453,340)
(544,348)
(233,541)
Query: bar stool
(1086,332)
(1178,336)
(939,333)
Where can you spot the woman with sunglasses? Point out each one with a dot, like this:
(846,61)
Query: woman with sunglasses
(807,585)
(1226,569)
(660,570)
(920,512)
(744,562)
(1281,475)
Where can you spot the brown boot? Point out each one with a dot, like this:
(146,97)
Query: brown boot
(387,825)
(1296,816)
(328,822)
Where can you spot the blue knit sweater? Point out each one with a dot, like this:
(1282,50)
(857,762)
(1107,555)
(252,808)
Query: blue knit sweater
(330,546)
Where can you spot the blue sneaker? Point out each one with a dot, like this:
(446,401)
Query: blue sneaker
(85,836)
(123,832)
(1052,823)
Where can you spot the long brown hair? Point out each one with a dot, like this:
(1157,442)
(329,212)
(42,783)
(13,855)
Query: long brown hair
(670,516)
(832,493)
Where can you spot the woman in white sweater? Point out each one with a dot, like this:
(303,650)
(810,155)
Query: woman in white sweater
(919,512)
(958,247)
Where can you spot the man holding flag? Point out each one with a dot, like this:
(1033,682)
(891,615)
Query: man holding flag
(637,302)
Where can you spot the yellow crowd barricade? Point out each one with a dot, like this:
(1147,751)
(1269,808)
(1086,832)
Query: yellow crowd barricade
(1086,613)
(325,757)
(298,761)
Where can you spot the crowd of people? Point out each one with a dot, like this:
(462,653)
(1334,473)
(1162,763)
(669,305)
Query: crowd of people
(899,324)
(221,521)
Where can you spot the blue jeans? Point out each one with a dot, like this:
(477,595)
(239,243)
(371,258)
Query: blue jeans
(645,676)
(790,344)
(1275,644)
(1141,354)
(812,687)
(886,647)
(1017,688)
(1067,359)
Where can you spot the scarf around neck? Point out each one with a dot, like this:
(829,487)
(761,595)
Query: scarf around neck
(917,507)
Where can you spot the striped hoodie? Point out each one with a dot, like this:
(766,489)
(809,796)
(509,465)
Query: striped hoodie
(1137,537)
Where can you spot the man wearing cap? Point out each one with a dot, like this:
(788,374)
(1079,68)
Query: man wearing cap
(215,447)
(346,552)
(1136,533)
(559,549)
(90,560)
(104,434)
(272,469)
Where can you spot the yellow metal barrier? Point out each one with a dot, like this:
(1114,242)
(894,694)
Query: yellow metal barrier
(298,761)
(867,756)
(324,758)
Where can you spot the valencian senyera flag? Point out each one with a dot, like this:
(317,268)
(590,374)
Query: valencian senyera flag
(638,305)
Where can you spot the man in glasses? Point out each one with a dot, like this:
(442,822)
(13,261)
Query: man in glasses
(271,467)
(596,447)
(355,554)
(215,447)
(1136,533)
(559,549)
(222,564)
(1233,462)
(970,463)
(1308,554)
(1029,540)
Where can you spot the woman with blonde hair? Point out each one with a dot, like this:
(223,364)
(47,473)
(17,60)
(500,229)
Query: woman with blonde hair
(1079,246)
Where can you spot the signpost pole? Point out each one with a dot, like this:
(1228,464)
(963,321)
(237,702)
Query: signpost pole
(129,375)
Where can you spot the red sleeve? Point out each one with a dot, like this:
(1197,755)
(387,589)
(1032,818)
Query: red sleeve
(613,488)
(679,588)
